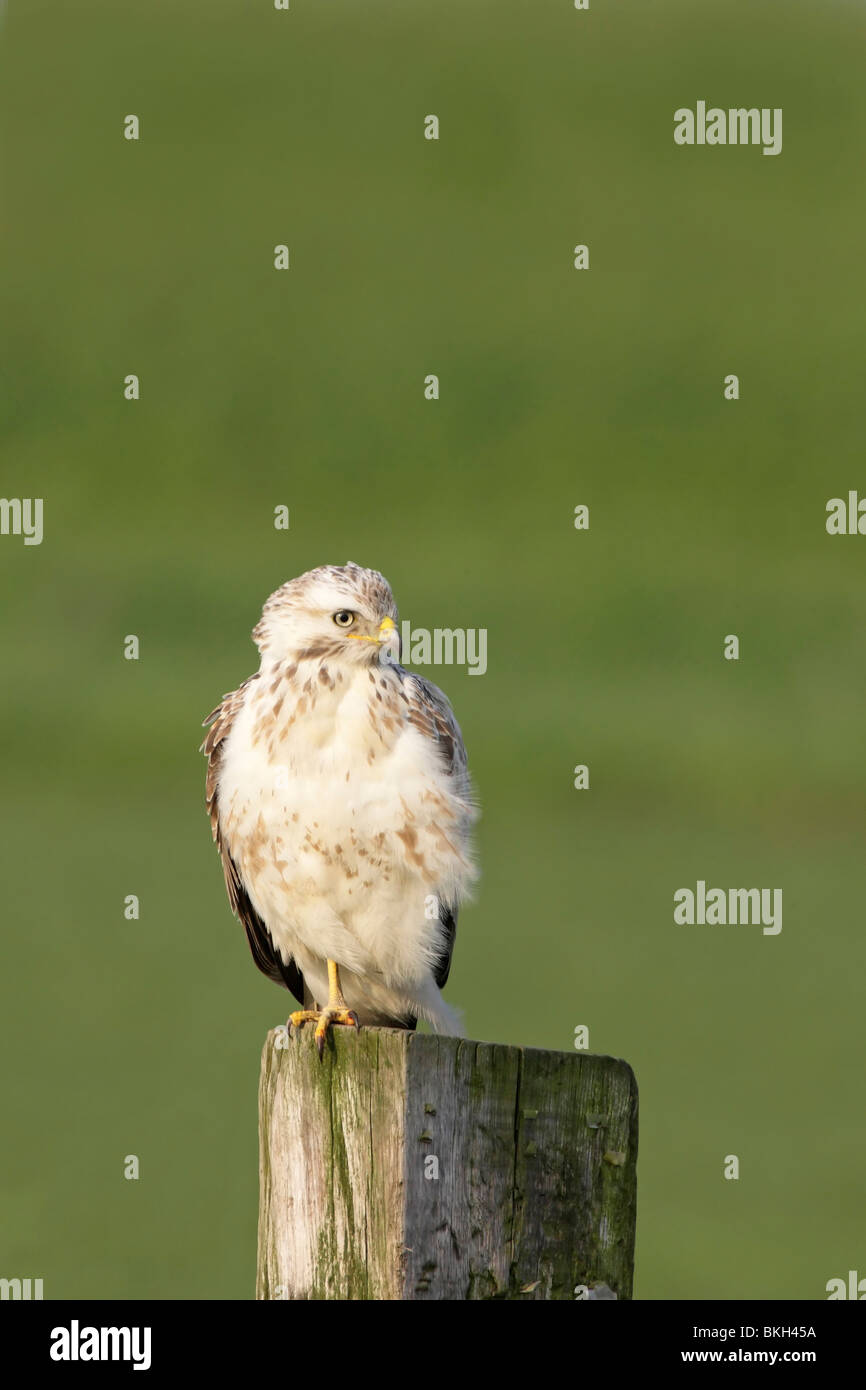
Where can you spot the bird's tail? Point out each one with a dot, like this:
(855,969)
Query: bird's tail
(441,1016)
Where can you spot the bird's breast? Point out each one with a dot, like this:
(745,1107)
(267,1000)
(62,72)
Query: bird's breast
(326,788)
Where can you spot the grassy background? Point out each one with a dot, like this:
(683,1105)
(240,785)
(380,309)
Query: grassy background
(605,647)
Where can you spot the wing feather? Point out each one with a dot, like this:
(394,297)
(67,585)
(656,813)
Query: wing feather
(264,953)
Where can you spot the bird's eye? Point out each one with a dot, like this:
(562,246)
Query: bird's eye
(344,618)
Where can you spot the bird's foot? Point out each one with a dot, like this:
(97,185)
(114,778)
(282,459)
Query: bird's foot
(324,1019)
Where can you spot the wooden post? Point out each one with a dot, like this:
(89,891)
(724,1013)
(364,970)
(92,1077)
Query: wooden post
(410,1166)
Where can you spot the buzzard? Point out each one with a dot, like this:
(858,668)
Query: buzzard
(341,805)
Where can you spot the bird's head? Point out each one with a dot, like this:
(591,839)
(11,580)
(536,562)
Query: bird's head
(339,612)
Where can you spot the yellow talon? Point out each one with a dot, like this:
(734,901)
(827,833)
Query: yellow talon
(336,1013)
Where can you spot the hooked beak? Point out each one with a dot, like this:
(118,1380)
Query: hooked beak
(387,637)
(389,640)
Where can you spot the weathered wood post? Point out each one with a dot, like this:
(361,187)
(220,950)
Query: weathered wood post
(409,1166)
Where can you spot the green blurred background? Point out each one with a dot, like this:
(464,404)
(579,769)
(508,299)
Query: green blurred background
(557,387)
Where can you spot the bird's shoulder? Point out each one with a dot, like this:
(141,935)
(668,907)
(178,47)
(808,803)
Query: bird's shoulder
(429,711)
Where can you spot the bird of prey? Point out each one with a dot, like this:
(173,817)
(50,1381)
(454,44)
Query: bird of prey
(341,805)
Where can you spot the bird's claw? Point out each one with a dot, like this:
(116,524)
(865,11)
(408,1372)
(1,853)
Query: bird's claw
(324,1019)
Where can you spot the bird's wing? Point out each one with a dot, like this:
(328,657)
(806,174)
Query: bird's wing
(430,712)
(448,918)
(265,955)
